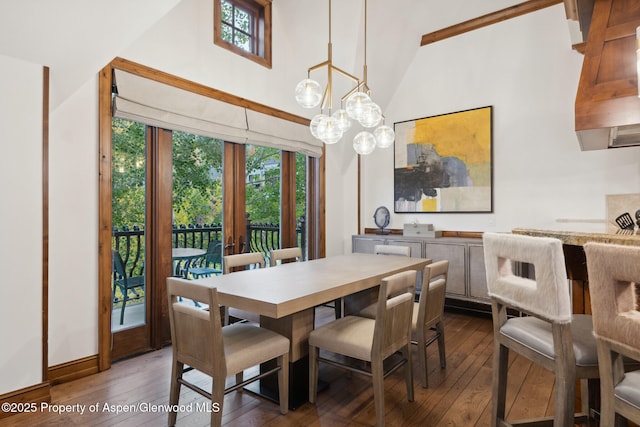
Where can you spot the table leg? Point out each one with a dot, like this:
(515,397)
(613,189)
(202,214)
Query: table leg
(297,328)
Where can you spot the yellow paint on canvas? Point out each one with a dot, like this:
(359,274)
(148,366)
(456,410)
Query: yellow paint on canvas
(429,205)
(466,135)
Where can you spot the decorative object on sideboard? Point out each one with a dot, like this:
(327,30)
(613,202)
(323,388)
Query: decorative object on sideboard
(420,230)
(381,217)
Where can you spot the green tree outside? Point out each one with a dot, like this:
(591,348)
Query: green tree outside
(197,179)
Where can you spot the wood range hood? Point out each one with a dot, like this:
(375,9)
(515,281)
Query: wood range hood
(607,108)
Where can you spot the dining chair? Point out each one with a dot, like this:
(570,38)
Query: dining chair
(428,315)
(278,256)
(613,273)
(201,343)
(364,303)
(547,333)
(124,282)
(249,260)
(212,259)
(392,250)
(370,340)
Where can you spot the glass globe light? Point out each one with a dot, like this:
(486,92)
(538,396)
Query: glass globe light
(355,104)
(364,143)
(384,136)
(308,93)
(342,120)
(371,116)
(332,133)
(318,125)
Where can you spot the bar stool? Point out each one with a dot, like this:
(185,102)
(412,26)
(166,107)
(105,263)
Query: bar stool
(613,273)
(548,334)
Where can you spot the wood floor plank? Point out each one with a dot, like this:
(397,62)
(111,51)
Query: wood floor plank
(458,395)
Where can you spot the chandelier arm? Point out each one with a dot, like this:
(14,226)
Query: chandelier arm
(344,73)
(320,65)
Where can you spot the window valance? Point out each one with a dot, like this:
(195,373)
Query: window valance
(158,104)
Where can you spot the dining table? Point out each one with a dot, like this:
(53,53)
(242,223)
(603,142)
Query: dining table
(286,295)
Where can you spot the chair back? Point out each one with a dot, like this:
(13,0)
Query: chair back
(286,254)
(613,272)
(118,265)
(548,295)
(394,315)
(432,296)
(196,334)
(250,259)
(392,250)
(214,253)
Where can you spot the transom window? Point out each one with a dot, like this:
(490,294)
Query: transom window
(244,27)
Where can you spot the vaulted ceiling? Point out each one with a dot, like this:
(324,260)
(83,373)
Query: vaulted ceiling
(76,38)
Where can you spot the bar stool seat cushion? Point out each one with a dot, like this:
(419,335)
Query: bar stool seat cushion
(629,389)
(536,335)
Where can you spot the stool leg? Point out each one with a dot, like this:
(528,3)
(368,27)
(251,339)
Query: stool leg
(500,368)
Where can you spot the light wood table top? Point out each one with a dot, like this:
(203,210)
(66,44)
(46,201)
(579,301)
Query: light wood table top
(290,288)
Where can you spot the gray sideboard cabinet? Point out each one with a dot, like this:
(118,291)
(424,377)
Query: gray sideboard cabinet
(466,284)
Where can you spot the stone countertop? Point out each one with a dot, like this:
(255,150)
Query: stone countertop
(578,236)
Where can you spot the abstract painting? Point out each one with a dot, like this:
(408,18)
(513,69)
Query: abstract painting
(444,163)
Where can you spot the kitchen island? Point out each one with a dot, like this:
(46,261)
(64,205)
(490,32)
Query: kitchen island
(573,237)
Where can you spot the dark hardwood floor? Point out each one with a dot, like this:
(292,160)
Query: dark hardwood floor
(459,395)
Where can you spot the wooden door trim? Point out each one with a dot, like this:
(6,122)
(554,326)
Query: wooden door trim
(288,233)
(105,227)
(159,233)
(45,223)
(234,194)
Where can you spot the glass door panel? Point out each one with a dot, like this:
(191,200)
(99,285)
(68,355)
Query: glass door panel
(197,236)
(263,187)
(129,296)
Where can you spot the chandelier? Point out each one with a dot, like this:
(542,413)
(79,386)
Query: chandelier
(356,105)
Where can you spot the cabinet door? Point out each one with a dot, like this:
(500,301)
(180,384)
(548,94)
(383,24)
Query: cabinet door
(416,247)
(365,245)
(477,273)
(455,254)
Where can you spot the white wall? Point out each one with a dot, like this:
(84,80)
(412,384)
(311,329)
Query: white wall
(523,67)
(526,70)
(21,219)
(73,227)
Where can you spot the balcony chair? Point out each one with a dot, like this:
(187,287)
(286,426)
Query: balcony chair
(547,334)
(201,343)
(613,273)
(428,315)
(212,258)
(124,282)
(370,340)
(247,260)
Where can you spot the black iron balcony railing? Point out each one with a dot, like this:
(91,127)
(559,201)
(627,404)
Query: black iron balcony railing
(261,238)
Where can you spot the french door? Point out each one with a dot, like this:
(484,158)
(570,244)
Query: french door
(152,162)
(174,191)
